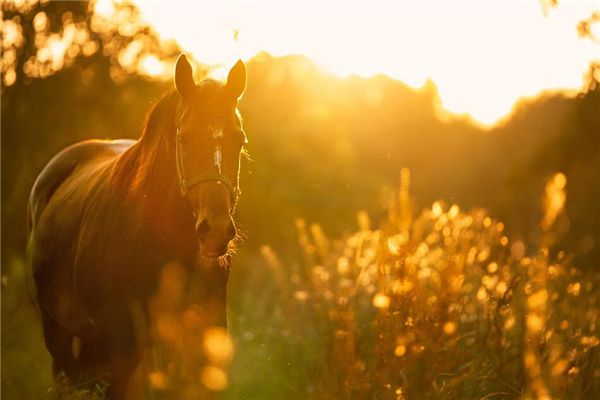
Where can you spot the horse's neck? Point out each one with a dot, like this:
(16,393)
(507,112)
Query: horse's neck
(155,198)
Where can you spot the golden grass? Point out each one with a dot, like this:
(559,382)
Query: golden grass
(440,304)
(444,305)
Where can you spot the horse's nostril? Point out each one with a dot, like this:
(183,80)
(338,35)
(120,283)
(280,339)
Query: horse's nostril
(203,228)
(216,231)
(231,232)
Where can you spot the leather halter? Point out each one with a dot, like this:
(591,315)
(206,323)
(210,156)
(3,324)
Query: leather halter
(185,183)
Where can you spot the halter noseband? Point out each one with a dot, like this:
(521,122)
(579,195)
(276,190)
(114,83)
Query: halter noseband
(186,183)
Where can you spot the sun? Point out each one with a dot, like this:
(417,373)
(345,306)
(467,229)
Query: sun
(482,57)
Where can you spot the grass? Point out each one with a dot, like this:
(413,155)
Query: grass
(435,304)
(26,365)
(438,305)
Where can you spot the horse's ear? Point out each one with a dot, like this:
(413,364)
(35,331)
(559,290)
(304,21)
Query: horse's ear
(236,80)
(184,78)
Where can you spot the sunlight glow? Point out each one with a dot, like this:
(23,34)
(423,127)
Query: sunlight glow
(151,65)
(104,7)
(482,56)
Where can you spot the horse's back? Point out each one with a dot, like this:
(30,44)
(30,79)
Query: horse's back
(63,165)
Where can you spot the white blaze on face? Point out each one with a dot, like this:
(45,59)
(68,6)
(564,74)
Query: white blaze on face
(218,159)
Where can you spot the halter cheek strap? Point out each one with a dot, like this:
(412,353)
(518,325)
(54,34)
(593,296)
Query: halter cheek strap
(186,183)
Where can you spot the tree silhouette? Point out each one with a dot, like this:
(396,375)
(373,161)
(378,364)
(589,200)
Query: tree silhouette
(41,38)
(70,70)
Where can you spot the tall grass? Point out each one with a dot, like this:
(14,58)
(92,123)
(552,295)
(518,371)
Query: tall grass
(439,305)
(435,304)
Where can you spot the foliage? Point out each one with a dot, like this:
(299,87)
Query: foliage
(361,131)
(26,366)
(440,303)
(41,38)
(346,140)
(438,306)
(60,91)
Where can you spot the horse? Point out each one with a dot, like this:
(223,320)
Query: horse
(106,217)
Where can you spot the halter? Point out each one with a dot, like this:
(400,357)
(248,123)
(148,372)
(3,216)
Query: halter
(186,183)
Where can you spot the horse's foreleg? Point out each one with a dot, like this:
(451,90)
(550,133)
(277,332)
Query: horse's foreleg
(123,352)
(60,345)
(122,369)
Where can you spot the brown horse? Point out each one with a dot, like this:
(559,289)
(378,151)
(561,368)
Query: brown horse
(105,217)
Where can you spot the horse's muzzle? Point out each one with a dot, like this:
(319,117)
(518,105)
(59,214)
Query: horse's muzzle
(214,235)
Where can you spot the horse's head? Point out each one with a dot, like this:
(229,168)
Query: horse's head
(209,143)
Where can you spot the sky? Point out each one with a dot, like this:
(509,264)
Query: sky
(483,56)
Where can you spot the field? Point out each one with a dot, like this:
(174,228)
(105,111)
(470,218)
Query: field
(434,304)
(419,206)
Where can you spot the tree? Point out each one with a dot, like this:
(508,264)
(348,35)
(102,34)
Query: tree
(70,70)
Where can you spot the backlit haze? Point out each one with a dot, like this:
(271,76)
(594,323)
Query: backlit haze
(482,56)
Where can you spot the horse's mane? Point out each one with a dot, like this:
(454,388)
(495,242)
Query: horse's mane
(161,117)
(157,138)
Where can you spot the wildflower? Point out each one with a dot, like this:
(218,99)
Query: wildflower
(218,346)
(535,322)
(213,378)
(574,288)
(158,380)
(449,328)
(382,301)
(400,350)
